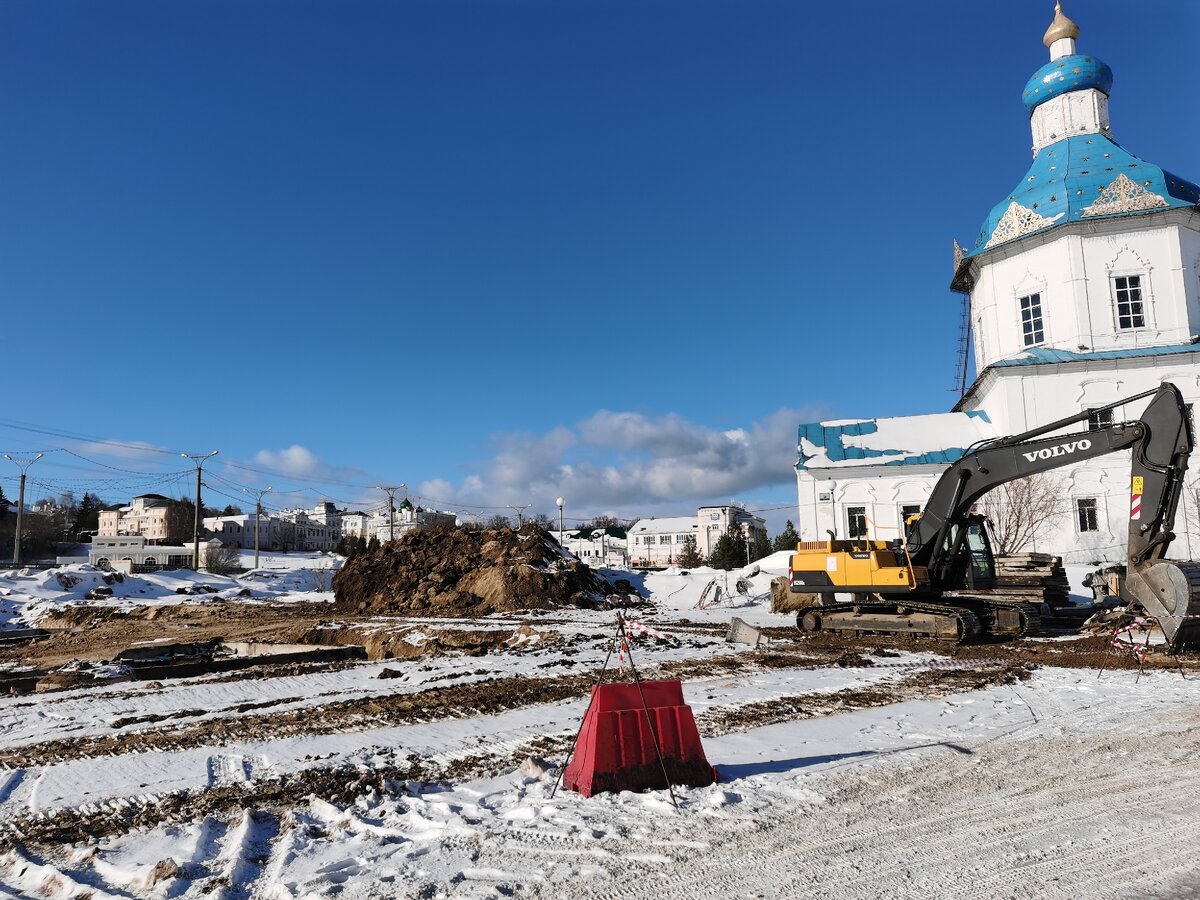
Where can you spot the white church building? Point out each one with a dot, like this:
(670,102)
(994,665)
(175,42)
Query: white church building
(1083,288)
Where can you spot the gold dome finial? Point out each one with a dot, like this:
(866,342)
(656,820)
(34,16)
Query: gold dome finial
(1060,28)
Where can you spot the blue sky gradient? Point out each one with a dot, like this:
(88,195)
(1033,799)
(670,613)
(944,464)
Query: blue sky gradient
(466,245)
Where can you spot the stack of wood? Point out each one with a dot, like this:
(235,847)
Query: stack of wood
(1032,578)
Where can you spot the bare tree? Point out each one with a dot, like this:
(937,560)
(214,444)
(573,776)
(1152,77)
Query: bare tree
(222,560)
(1021,510)
(498,521)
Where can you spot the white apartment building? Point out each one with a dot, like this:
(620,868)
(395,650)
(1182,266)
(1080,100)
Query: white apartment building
(597,548)
(239,530)
(658,542)
(145,516)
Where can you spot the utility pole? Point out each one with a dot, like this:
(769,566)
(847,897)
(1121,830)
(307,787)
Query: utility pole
(391,495)
(199,459)
(23,463)
(257,495)
(520,510)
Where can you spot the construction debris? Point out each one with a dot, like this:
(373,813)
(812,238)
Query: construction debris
(741,633)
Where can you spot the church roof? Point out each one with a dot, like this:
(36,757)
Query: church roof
(1040,356)
(1081,178)
(937,439)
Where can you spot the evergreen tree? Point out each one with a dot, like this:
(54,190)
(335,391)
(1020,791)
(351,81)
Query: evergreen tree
(87,517)
(373,544)
(689,556)
(760,547)
(341,548)
(787,539)
(231,510)
(730,551)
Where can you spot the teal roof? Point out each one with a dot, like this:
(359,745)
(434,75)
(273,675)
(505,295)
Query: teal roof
(1065,74)
(1039,355)
(1080,179)
(937,439)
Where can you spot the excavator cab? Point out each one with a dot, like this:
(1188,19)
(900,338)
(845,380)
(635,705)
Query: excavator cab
(971,562)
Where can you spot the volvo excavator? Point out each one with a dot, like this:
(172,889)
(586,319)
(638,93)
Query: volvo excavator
(922,584)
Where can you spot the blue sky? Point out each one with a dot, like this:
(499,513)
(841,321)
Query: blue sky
(501,251)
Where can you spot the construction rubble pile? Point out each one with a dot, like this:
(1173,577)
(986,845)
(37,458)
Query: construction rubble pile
(457,572)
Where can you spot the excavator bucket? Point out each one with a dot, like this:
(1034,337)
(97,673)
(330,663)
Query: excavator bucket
(1170,592)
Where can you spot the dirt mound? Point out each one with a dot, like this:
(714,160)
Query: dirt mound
(454,572)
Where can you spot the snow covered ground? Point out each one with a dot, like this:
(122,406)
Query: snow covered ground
(909,774)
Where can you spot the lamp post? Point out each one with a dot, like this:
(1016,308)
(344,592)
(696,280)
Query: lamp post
(391,494)
(560,501)
(23,463)
(520,511)
(199,459)
(258,495)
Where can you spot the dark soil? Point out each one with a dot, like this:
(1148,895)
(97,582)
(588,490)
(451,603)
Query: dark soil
(456,572)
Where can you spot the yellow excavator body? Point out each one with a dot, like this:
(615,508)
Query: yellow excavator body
(853,566)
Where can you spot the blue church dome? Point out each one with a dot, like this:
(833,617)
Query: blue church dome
(1067,73)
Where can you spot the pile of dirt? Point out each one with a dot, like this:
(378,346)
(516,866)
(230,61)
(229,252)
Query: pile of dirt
(455,572)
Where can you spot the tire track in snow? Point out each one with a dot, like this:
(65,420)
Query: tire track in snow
(944,850)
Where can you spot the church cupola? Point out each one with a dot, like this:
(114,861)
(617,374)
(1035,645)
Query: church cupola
(1079,172)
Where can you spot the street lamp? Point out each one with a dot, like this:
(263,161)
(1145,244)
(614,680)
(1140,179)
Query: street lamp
(23,463)
(258,495)
(391,494)
(560,501)
(199,459)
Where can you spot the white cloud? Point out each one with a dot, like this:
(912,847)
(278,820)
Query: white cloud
(295,460)
(628,463)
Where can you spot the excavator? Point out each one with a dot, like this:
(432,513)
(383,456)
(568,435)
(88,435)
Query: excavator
(922,584)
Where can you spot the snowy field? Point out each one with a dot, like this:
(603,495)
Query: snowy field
(890,772)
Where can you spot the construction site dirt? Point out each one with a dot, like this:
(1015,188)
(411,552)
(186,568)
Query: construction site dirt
(441,701)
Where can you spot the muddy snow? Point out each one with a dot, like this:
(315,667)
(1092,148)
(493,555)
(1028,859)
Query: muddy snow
(848,768)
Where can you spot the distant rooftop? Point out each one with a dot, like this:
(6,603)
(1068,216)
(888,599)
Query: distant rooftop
(669,525)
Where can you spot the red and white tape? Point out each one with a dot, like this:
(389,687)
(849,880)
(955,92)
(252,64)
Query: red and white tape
(632,628)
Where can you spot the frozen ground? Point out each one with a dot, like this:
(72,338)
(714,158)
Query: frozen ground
(908,774)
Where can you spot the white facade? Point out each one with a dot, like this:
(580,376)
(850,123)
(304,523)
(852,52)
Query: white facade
(384,523)
(597,548)
(1074,272)
(145,516)
(239,530)
(714,521)
(656,542)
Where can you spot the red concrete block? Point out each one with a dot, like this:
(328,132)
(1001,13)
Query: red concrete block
(615,751)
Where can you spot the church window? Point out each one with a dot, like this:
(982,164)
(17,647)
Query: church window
(856,522)
(1086,515)
(1032,330)
(1130,310)
(1099,418)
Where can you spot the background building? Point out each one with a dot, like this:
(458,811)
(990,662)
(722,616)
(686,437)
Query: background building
(658,542)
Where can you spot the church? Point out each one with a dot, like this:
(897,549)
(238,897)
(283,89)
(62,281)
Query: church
(1083,288)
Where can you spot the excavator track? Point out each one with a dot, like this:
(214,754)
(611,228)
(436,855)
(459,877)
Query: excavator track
(943,623)
(962,622)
